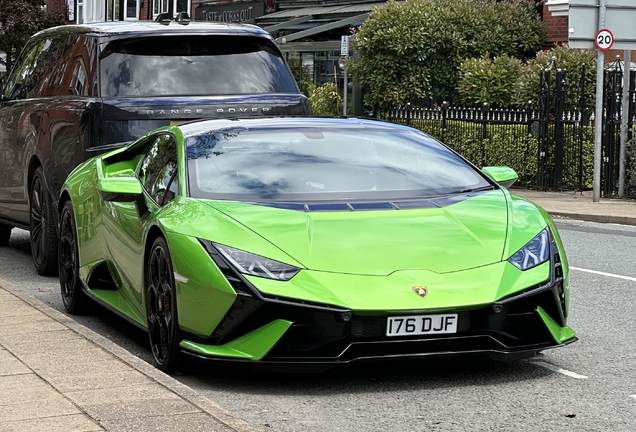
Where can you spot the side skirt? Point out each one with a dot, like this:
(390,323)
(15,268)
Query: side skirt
(114,302)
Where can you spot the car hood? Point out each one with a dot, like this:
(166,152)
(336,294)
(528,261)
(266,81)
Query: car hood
(456,233)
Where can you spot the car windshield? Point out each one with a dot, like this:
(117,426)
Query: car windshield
(193,65)
(310,164)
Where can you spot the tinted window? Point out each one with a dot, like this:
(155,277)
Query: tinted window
(34,69)
(193,65)
(158,167)
(312,164)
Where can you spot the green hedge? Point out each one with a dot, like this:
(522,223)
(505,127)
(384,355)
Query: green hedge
(512,145)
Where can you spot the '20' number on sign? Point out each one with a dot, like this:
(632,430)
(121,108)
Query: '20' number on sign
(604,39)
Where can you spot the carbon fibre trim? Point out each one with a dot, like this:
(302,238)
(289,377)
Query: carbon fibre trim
(424,203)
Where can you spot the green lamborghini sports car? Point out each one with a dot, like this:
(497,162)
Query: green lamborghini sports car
(311,241)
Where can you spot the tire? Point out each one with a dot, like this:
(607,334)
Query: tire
(73,296)
(161,308)
(43,231)
(5,234)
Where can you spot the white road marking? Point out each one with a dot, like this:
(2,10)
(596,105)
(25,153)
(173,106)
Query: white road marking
(559,370)
(629,278)
(634,396)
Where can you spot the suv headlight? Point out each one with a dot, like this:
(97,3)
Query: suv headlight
(535,252)
(257,265)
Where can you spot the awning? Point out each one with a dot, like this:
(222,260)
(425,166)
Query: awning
(303,23)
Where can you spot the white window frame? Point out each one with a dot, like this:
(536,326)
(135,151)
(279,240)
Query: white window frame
(80,12)
(134,18)
(161,6)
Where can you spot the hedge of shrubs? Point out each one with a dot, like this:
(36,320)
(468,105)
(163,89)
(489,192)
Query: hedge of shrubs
(512,145)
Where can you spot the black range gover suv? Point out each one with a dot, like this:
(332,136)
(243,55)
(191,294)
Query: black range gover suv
(76,91)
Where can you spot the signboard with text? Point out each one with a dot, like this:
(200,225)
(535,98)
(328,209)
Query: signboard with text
(239,12)
(344,45)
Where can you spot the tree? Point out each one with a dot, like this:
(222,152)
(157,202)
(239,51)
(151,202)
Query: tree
(411,50)
(19,20)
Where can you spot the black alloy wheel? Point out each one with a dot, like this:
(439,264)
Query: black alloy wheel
(5,234)
(43,232)
(161,308)
(73,296)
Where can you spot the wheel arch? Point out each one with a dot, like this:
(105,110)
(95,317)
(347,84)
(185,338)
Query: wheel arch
(34,164)
(153,233)
(64,197)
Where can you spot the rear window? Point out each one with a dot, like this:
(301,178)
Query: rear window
(193,66)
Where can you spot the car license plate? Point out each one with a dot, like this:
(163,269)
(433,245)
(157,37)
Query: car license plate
(421,324)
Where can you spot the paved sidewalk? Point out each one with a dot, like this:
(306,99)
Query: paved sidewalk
(57,375)
(574,205)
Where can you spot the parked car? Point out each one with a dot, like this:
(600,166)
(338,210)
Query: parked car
(311,241)
(77,91)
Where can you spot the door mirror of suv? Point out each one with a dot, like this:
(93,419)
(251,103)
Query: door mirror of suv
(503,175)
(119,189)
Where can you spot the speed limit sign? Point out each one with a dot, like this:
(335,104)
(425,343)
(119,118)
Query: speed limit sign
(604,39)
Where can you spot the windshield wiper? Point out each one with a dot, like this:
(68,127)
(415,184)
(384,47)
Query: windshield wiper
(483,188)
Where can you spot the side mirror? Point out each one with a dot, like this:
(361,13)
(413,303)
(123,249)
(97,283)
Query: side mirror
(503,175)
(119,189)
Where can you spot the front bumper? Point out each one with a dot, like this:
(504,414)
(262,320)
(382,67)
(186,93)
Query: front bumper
(269,329)
(515,327)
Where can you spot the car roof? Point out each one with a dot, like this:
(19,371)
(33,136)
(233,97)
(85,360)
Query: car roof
(326,123)
(144,28)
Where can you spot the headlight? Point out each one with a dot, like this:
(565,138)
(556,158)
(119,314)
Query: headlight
(535,252)
(256,265)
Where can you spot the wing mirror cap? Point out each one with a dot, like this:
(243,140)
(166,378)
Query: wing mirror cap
(119,189)
(503,175)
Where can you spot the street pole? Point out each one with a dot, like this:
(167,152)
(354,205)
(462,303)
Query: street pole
(598,117)
(346,85)
(627,59)
(344,53)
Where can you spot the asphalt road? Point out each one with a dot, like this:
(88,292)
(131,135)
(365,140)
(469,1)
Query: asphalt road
(587,386)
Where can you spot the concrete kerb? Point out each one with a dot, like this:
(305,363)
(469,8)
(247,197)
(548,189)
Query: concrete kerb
(621,220)
(181,390)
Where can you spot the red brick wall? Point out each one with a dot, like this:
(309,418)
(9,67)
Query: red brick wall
(56,6)
(557,27)
(145,12)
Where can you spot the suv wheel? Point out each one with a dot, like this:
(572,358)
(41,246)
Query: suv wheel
(5,234)
(43,232)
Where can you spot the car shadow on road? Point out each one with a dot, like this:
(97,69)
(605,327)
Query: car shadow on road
(368,377)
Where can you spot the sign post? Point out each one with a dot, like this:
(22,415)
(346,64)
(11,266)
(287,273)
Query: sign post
(598,117)
(344,52)
(627,59)
(595,24)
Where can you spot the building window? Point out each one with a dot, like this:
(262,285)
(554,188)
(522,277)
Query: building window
(171,6)
(131,10)
(113,10)
(80,11)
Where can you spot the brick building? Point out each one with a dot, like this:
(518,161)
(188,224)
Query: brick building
(555,19)
(80,11)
